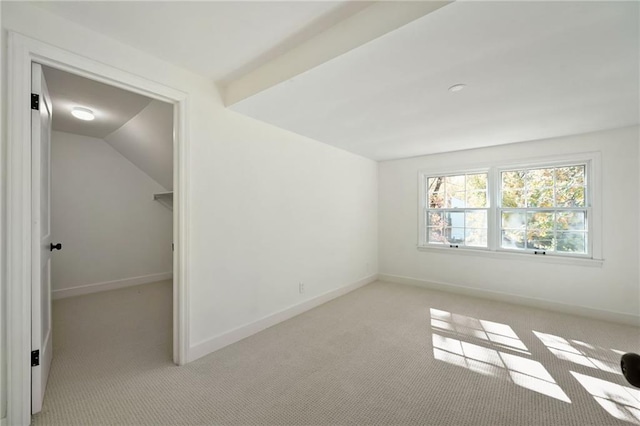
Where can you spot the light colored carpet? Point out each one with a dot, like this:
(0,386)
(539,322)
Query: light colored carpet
(384,354)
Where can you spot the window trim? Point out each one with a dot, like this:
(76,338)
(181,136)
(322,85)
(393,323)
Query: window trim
(592,160)
(465,209)
(422,197)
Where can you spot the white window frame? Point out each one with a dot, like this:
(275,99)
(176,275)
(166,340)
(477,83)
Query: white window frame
(593,199)
(423,203)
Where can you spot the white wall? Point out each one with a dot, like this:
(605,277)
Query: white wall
(612,287)
(103,213)
(267,208)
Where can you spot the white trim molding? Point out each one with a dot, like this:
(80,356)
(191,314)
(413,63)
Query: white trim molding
(22,51)
(593,209)
(110,285)
(511,255)
(218,342)
(583,311)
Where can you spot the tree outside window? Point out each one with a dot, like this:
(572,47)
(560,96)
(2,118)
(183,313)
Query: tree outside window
(541,209)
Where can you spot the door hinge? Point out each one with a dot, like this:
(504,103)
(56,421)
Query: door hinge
(35,358)
(172,247)
(35,101)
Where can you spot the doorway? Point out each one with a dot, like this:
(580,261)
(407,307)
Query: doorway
(24,51)
(110,204)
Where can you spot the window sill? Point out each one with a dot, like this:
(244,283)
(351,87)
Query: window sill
(504,255)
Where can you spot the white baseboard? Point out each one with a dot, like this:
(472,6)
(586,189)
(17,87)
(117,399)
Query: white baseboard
(109,285)
(218,342)
(600,314)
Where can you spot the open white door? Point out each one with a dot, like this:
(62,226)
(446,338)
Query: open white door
(41,346)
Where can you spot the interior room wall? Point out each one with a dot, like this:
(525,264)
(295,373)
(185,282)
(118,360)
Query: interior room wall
(103,213)
(612,288)
(268,209)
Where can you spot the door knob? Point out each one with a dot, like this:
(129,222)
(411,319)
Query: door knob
(56,246)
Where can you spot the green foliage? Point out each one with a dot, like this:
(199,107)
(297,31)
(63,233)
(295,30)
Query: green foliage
(554,189)
(455,222)
(535,203)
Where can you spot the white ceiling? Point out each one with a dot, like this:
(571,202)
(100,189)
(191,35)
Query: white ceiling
(137,127)
(147,141)
(112,106)
(534,70)
(218,39)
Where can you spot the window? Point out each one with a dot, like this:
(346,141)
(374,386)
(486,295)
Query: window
(457,210)
(542,209)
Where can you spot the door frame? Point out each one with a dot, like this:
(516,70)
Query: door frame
(22,51)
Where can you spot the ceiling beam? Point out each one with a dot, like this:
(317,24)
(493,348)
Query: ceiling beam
(375,21)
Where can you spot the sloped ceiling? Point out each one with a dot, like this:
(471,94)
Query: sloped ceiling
(112,106)
(147,141)
(139,128)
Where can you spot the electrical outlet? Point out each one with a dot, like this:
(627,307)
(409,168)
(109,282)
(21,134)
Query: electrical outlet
(301,287)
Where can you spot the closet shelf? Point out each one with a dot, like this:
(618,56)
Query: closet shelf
(164,198)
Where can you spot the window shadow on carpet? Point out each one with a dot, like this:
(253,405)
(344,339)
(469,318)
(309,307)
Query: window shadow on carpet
(498,352)
(492,360)
(621,402)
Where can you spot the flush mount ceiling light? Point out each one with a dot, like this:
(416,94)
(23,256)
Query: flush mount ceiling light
(83,113)
(457,87)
